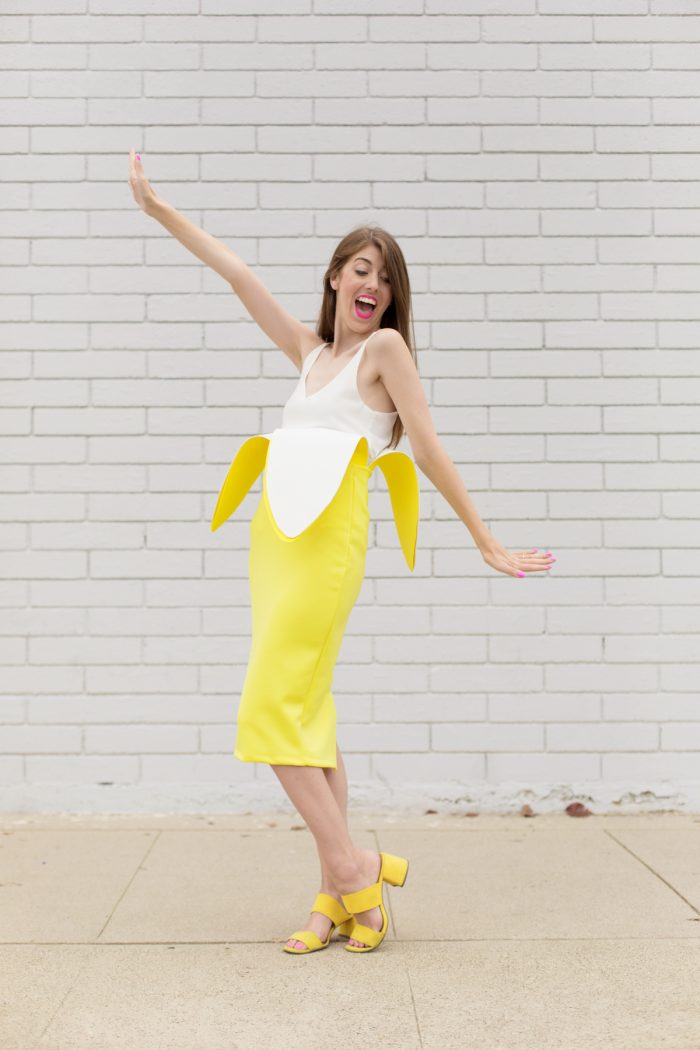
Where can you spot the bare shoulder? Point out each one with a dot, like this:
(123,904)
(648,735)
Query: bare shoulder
(386,348)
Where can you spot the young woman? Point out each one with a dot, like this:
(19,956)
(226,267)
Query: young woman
(358,391)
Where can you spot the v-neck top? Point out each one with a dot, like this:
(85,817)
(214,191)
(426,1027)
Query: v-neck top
(338,405)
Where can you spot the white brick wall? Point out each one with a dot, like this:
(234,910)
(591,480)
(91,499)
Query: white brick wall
(538,161)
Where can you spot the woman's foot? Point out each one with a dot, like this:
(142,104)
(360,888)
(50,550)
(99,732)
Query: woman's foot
(371,864)
(317,923)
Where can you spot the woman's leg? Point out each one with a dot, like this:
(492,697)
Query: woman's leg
(345,867)
(338,783)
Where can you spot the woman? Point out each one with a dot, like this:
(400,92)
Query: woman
(358,391)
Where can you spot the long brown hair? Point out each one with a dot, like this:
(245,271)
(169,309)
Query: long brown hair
(398,314)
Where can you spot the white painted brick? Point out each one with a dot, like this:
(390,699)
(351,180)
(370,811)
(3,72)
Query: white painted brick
(680,619)
(487,620)
(12,769)
(659,27)
(141,678)
(603,737)
(116,739)
(598,166)
(602,391)
(196,769)
(407,708)
(29,740)
(626,619)
(540,165)
(477,736)
(549,707)
(601,505)
(119,708)
(415,768)
(598,111)
(544,195)
(659,707)
(544,419)
(650,362)
(642,768)
(486,678)
(677,56)
(84,478)
(655,592)
(383,738)
(651,533)
(543,768)
(41,564)
(86,592)
(681,563)
(602,447)
(431,649)
(681,736)
(549,648)
(13,708)
(40,621)
(542,139)
(595,56)
(84,651)
(585,677)
(82,769)
(682,678)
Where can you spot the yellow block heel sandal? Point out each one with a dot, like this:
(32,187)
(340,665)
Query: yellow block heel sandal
(341,920)
(394,871)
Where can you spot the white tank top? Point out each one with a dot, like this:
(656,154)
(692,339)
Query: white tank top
(338,405)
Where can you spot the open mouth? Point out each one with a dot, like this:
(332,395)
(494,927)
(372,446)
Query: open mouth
(363,309)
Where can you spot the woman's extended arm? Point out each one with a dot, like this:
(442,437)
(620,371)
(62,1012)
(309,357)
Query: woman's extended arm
(399,376)
(207,248)
(285,330)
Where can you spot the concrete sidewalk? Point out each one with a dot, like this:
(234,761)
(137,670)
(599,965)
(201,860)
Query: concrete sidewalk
(511,933)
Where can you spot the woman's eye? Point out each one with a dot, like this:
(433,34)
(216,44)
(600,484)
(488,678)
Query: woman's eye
(363,273)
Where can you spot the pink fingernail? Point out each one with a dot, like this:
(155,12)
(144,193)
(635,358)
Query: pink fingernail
(521,574)
(138,156)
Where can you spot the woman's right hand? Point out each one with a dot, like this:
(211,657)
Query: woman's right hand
(144,195)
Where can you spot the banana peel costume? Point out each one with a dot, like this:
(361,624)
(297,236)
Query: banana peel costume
(308,543)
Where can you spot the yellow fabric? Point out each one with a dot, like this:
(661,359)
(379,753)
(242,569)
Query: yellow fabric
(404,491)
(302,591)
(331,908)
(364,899)
(367,935)
(309,938)
(397,467)
(245,468)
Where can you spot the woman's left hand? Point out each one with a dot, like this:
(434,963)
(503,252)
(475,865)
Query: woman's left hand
(515,563)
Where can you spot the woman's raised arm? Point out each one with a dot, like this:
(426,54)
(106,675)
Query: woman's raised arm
(285,330)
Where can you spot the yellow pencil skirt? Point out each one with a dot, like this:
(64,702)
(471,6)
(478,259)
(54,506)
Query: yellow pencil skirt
(302,591)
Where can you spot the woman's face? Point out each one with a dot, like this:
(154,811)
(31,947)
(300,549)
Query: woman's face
(363,275)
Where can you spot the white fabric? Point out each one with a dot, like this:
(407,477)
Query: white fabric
(338,405)
(303,471)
